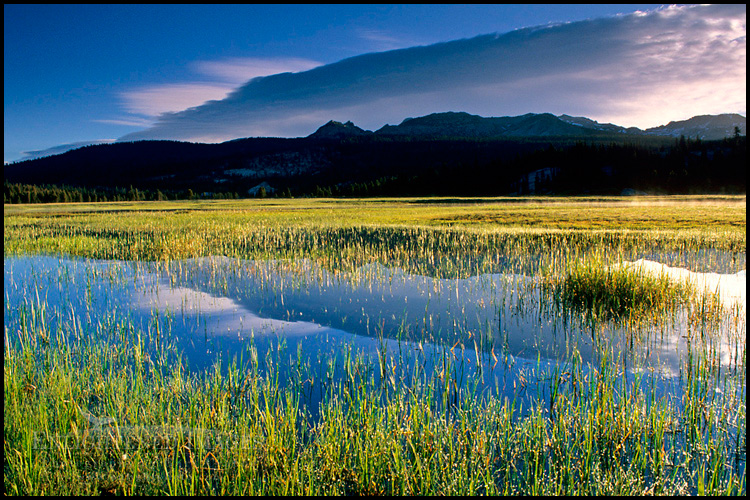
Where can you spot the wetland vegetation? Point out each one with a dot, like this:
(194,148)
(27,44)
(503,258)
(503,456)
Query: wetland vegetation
(380,346)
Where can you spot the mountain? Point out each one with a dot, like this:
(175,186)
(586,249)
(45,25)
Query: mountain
(588,123)
(338,130)
(452,124)
(441,153)
(705,127)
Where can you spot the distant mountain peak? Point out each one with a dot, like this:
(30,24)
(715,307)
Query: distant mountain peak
(584,122)
(338,130)
(443,116)
(706,127)
(461,124)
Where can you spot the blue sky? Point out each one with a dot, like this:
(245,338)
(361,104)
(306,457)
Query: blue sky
(85,73)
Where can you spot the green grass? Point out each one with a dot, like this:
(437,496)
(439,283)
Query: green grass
(418,237)
(163,430)
(616,293)
(647,213)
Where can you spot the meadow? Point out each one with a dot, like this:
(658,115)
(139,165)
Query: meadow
(378,346)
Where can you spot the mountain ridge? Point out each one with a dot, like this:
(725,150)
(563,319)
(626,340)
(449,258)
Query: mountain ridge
(337,130)
(462,124)
(436,153)
(703,126)
(453,124)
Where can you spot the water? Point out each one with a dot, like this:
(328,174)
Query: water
(732,288)
(492,333)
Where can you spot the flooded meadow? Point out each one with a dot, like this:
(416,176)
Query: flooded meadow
(481,368)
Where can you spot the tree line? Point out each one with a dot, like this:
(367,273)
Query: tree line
(14,193)
(461,168)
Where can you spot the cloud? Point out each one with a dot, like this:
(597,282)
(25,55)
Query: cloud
(127,121)
(381,40)
(158,99)
(219,78)
(239,70)
(642,69)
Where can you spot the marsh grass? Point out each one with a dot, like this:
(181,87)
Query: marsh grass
(88,419)
(420,238)
(617,292)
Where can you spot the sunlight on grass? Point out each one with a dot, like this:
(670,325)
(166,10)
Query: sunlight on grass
(617,292)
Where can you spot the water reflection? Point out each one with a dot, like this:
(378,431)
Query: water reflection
(495,331)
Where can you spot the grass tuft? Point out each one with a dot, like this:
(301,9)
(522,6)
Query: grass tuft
(616,293)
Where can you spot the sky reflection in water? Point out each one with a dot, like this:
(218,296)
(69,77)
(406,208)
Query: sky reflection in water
(493,329)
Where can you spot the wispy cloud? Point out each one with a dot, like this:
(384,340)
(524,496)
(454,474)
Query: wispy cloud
(128,121)
(217,80)
(641,69)
(158,99)
(381,40)
(239,70)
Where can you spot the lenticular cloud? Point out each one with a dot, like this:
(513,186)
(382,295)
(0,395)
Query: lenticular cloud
(642,69)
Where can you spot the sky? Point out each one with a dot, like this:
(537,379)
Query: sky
(84,74)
